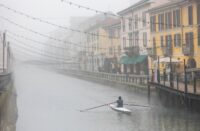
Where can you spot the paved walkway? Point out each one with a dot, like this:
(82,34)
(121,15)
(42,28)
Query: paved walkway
(181,87)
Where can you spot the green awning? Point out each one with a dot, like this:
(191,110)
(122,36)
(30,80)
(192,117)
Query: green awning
(140,58)
(124,60)
(132,60)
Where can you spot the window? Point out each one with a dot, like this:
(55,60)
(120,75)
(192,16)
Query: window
(133,39)
(130,23)
(118,32)
(161,22)
(124,42)
(154,46)
(190,15)
(136,21)
(176,18)
(144,19)
(168,20)
(111,33)
(110,51)
(153,23)
(161,41)
(189,39)
(168,40)
(123,24)
(198,36)
(88,38)
(97,46)
(97,35)
(130,39)
(177,40)
(136,38)
(144,39)
(119,49)
(198,12)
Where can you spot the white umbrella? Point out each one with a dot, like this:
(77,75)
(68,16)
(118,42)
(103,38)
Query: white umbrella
(167,60)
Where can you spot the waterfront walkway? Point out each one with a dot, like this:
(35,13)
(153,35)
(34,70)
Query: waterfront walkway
(181,87)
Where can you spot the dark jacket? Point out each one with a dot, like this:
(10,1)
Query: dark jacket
(119,103)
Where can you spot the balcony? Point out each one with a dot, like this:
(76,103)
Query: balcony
(152,52)
(134,50)
(188,50)
(167,51)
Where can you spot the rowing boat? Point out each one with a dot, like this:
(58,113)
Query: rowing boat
(120,109)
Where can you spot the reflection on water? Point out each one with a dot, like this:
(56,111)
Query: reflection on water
(50,102)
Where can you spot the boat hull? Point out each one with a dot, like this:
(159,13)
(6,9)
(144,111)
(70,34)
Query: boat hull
(120,109)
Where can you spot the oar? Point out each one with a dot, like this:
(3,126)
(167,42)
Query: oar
(136,105)
(96,107)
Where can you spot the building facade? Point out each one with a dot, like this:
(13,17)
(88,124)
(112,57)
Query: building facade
(102,45)
(175,33)
(6,57)
(135,36)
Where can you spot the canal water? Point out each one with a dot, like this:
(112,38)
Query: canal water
(48,101)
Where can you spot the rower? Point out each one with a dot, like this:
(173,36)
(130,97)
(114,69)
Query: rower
(119,102)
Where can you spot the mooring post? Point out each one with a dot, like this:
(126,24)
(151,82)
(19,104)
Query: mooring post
(152,76)
(185,75)
(195,89)
(177,81)
(149,94)
(171,74)
(164,74)
(158,70)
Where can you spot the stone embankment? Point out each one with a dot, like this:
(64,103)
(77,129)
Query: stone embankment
(8,105)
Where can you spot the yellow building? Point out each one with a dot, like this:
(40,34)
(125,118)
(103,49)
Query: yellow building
(175,33)
(103,45)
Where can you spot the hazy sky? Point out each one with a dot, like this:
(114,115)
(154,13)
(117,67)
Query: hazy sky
(53,11)
(56,11)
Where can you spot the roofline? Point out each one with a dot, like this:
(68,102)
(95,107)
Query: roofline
(114,24)
(136,5)
(118,25)
(99,25)
(167,5)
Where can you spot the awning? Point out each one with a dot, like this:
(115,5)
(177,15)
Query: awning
(124,60)
(167,60)
(140,58)
(132,60)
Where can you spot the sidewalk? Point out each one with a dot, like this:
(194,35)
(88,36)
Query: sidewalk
(181,87)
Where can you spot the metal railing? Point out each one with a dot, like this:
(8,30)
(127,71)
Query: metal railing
(5,79)
(188,82)
(128,79)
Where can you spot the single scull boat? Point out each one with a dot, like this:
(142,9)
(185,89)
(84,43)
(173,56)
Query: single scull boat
(120,109)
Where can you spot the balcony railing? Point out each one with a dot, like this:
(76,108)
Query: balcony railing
(152,52)
(167,51)
(188,50)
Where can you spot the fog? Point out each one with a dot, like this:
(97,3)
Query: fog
(53,11)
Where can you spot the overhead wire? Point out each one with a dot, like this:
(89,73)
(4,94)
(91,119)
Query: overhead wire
(52,24)
(50,37)
(80,6)
(20,52)
(68,28)
(118,16)
(34,18)
(30,48)
(46,51)
(42,43)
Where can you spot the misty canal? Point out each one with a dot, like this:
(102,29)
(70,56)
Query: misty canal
(48,101)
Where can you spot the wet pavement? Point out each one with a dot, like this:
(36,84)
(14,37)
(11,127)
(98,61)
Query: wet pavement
(48,101)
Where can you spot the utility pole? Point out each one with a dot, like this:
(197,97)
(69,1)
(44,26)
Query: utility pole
(4,43)
(8,56)
(158,70)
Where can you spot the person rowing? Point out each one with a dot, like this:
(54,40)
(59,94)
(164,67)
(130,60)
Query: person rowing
(120,102)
